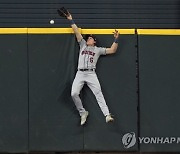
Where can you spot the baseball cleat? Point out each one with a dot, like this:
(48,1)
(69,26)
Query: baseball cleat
(84,117)
(109,119)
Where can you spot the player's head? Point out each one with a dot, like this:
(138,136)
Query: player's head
(90,40)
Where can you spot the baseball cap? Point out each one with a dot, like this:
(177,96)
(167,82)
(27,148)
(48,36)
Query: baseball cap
(90,35)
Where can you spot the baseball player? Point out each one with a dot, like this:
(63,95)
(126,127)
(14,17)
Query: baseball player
(88,57)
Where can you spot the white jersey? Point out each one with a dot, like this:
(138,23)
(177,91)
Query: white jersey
(88,55)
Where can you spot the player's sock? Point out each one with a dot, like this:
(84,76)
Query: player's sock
(84,117)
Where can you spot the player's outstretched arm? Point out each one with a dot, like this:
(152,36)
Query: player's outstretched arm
(114,46)
(74,27)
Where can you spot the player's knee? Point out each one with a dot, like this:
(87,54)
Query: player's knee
(74,94)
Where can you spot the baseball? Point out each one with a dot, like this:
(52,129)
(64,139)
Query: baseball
(51,21)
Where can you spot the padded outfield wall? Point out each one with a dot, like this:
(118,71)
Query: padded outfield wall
(140,83)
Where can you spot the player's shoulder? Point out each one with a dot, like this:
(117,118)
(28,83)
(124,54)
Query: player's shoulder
(99,48)
(82,42)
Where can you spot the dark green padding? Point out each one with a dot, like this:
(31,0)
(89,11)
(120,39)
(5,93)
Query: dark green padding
(159,91)
(117,76)
(13,94)
(54,120)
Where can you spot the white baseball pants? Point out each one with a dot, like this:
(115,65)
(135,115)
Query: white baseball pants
(90,78)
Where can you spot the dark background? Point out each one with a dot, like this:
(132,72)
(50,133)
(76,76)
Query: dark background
(92,14)
(140,82)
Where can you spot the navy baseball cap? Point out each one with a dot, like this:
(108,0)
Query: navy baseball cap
(90,35)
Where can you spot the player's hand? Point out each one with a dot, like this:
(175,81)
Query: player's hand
(69,16)
(116,34)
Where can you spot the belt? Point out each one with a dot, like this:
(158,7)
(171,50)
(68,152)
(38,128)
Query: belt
(86,69)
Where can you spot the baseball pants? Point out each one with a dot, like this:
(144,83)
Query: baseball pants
(90,78)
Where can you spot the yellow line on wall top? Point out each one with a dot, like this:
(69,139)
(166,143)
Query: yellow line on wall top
(13,30)
(158,31)
(88,31)
(62,31)
(82,31)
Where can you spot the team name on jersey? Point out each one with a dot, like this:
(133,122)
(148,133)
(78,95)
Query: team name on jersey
(88,52)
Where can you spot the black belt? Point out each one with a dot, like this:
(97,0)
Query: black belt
(86,69)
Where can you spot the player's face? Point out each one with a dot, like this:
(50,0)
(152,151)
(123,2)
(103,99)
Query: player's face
(90,41)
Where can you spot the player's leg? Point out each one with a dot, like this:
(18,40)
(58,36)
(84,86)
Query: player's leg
(94,85)
(77,85)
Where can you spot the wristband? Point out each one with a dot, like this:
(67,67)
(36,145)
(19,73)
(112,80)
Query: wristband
(72,22)
(115,40)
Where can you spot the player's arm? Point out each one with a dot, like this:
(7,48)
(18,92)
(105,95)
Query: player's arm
(114,46)
(74,27)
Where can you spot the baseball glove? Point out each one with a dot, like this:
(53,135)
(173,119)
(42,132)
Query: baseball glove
(63,12)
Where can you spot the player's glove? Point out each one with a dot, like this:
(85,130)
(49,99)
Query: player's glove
(63,12)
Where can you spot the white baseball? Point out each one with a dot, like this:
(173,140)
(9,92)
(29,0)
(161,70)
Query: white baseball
(51,21)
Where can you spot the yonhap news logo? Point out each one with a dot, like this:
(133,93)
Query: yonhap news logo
(129,140)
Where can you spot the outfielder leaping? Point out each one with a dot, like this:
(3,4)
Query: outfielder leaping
(88,57)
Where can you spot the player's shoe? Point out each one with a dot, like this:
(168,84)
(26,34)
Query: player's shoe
(84,117)
(109,118)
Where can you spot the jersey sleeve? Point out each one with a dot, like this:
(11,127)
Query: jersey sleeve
(82,43)
(102,50)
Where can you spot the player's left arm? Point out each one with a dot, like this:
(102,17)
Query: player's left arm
(114,46)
